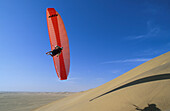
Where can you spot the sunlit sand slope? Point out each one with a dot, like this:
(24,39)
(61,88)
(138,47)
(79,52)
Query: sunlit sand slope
(146,84)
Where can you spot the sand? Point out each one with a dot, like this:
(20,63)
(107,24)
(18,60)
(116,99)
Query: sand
(146,84)
(24,101)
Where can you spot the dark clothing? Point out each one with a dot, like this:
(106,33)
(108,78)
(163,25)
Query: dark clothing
(56,51)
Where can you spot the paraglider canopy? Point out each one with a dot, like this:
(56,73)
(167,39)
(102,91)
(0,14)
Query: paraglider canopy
(58,37)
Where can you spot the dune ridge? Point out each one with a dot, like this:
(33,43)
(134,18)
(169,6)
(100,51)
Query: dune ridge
(146,84)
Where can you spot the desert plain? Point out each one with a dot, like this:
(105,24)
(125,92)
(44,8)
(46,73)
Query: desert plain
(27,101)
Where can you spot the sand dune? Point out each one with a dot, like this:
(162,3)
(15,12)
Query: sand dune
(146,84)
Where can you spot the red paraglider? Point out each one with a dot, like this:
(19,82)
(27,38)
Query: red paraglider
(58,37)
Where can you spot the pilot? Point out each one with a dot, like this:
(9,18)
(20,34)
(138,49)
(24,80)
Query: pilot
(56,51)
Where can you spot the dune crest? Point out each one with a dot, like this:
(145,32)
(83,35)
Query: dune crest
(143,88)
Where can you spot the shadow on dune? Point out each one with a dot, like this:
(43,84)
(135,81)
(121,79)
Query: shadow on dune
(150,107)
(139,81)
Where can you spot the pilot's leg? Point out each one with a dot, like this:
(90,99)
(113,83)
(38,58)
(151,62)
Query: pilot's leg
(49,53)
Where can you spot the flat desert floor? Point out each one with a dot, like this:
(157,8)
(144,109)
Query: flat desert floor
(23,101)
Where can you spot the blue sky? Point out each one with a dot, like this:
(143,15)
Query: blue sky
(107,38)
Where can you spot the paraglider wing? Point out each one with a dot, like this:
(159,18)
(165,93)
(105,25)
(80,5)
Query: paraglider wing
(58,36)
